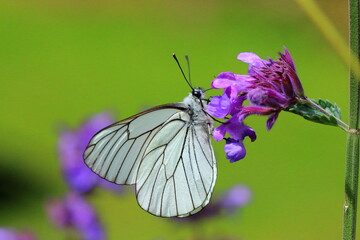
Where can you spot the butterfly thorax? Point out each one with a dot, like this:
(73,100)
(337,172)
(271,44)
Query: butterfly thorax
(197,107)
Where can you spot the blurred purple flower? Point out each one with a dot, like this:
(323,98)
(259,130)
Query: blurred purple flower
(74,212)
(236,197)
(270,87)
(71,147)
(10,234)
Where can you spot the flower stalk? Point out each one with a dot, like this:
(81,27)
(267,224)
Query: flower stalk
(352,140)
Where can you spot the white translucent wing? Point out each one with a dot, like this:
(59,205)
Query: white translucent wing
(115,152)
(177,174)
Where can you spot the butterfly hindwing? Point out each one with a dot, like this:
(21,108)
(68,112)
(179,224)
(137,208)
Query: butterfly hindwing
(178,171)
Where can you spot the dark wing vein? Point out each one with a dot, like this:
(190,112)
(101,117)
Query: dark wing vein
(111,148)
(113,158)
(137,157)
(197,163)
(156,178)
(102,149)
(188,185)
(197,139)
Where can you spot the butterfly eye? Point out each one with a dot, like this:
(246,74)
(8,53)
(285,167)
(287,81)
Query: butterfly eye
(197,93)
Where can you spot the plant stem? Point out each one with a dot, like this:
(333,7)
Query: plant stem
(351,186)
(352,140)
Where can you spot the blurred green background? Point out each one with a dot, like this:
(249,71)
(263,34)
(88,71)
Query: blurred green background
(62,61)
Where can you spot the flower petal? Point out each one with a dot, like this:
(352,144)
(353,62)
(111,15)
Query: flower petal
(223,80)
(68,147)
(84,218)
(237,130)
(237,83)
(253,60)
(236,105)
(57,213)
(249,57)
(271,120)
(219,106)
(247,131)
(80,178)
(257,110)
(73,211)
(234,150)
(219,132)
(287,58)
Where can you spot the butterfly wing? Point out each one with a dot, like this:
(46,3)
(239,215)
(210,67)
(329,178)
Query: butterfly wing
(167,156)
(177,174)
(115,152)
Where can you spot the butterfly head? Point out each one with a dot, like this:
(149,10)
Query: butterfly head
(199,93)
(196,98)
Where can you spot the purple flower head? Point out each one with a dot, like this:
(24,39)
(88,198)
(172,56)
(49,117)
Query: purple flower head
(276,84)
(280,73)
(270,87)
(74,212)
(10,234)
(71,147)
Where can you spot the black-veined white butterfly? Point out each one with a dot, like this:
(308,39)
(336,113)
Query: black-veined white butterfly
(165,151)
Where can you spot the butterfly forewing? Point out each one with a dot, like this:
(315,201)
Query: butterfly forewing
(115,152)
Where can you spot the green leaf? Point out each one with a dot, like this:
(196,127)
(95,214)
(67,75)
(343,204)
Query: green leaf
(311,113)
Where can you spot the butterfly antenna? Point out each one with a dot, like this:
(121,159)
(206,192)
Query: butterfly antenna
(208,89)
(177,61)
(188,64)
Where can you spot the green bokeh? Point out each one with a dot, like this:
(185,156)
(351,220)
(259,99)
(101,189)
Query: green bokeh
(62,61)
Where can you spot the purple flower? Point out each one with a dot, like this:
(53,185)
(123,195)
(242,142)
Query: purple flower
(233,199)
(234,148)
(74,212)
(71,147)
(270,87)
(236,197)
(10,234)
